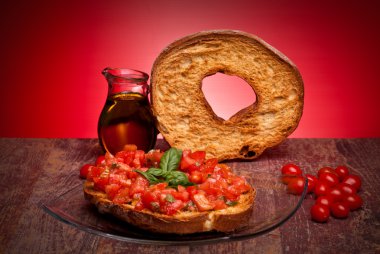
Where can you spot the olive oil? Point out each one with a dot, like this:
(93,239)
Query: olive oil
(126,119)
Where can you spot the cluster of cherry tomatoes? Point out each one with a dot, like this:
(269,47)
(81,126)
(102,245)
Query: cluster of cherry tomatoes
(335,190)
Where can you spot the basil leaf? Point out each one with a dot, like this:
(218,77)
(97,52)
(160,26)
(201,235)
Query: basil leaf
(151,178)
(170,160)
(169,198)
(175,178)
(168,170)
(231,203)
(155,171)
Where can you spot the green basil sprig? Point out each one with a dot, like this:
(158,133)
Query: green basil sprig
(168,170)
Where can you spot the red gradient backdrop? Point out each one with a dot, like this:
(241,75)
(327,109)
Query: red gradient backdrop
(52,53)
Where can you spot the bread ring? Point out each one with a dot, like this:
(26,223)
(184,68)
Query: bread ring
(186,120)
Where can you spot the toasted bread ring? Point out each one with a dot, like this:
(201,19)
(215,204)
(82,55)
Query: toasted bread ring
(186,120)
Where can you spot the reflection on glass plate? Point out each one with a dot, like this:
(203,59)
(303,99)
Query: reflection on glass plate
(273,206)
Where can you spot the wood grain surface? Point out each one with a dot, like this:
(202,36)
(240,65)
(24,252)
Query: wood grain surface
(35,170)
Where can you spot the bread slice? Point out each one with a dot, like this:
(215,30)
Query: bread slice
(186,120)
(225,220)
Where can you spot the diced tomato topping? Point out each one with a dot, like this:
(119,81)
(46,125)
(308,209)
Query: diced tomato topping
(210,164)
(193,167)
(198,156)
(220,204)
(192,161)
(181,194)
(180,188)
(223,170)
(186,160)
(192,190)
(202,202)
(95,172)
(232,193)
(160,186)
(122,196)
(215,186)
(121,178)
(139,159)
(139,185)
(111,190)
(171,208)
(153,158)
(139,206)
(127,157)
(132,174)
(240,184)
(212,187)
(101,182)
(150,200)
(110,159)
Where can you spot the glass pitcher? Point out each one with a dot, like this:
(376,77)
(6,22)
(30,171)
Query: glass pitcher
(126,117)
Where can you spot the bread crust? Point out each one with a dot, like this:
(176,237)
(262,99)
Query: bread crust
(225,220)
(186,120)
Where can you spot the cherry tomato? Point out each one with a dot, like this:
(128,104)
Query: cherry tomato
(321,188)
(342,172)
(354,201)
(329,178)
(291,169)
(100,160)
(347,189)
(353,180)
(320,213)
(340,210)
(312,180)
(335,193)
(296,185)
(324,200)
(195,177)
(84,170)
(287,178)
(326,170)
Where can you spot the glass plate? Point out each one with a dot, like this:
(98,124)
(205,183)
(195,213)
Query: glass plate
(273,206)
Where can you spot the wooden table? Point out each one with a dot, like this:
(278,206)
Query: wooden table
(34,170)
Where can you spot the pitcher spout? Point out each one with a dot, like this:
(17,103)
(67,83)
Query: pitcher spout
(126,80)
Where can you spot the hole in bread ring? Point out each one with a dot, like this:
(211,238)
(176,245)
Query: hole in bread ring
(246,152)
(227,94)
(187,121)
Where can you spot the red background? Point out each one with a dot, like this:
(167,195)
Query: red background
(52,53)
